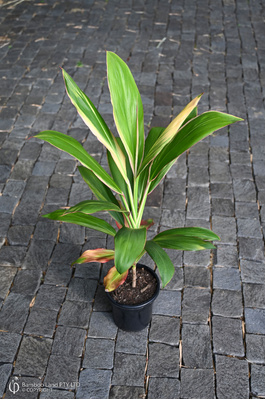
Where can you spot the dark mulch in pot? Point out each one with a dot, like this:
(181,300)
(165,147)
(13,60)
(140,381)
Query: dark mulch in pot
(145,288)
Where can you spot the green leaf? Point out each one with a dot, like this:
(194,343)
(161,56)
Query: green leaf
(129,243)
(192,115)
(75,149)
(185,243)
(153,135)
(127,108)
(155,182)
(200,233)
(118,178)
(93,206)
(101,191)
(162,260)
(82,219)
(94,121)
(113,279)
(190,134)
(169,133)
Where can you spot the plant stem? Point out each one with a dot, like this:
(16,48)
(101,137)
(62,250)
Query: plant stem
(134,272)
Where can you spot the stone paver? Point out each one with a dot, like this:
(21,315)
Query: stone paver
(207,332)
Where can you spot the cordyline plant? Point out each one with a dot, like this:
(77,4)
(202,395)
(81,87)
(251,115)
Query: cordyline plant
(137,166)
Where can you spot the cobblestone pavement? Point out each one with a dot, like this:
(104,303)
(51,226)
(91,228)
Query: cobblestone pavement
(206,339)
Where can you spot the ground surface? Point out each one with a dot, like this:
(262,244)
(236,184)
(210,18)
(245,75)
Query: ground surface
(206,339)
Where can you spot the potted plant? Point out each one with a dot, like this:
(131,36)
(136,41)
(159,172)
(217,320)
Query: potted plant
(137,166)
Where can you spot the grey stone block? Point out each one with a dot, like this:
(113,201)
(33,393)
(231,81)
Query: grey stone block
(254,295)
(198,176)
(41,322)
(43,168)
(244,190)
(226,278)
(5,220)
(22,170)
(61,181)
(50,297)
(101,302)
(132,342)
(163,388)
(196,346)
(19,235)
(88,271)
(227,303)
(82,289)
(223,207)
(49,393)
(14,312)
(221,191)
(255,348)
(6,278)
(168,303)
(14,188)
(252,249)
(231,378)
(8,204)
(227,336)
(66,253)
(252,271)
(196,305)
(225,227)
(27,282)
(197,276)
(62,371)
(128,370)
(66,167)
(4,172)
(198,196)
(38,255)
(200,258)
(12,256)
(126,392)
(165,330)
(70,233)
(5,372)
(172,218)
(197,384)
(33,356)
(163,361)
(46,230)
(219,172)
(177,281)
(227,256)
(94,384)
(246,210)
(258,380)
(75,314)
(57,197)
(9,343)
(99,354)
(68,341)
(249,228)
(102,325)
(254,319)
(58,274)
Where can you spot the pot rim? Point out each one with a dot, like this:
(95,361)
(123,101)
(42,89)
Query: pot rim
(144,303)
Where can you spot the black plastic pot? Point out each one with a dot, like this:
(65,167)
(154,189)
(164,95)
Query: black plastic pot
(134,317)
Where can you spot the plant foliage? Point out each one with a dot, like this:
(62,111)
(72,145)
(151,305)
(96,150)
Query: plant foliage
(137,166)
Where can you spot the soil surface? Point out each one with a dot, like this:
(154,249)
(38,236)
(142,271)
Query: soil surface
(145,288)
